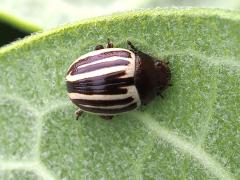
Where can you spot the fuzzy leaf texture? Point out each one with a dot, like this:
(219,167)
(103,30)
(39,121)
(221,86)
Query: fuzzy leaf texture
(193,133)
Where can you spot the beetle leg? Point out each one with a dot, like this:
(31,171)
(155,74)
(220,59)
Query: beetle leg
(106,117)
(132,46)
(109,44)
(78,113)
(159,94)
(99,47)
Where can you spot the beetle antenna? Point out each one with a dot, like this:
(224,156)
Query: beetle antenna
(132,46)
(109,44)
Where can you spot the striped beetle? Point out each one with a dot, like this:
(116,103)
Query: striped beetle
(114,80)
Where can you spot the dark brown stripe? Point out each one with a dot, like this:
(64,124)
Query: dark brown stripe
(98,66)
(116,87)
(109,111)
(100,56)
(105,91)
(102,102)
(118,83)
(100,82)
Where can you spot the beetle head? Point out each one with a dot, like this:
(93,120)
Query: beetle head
(163,75)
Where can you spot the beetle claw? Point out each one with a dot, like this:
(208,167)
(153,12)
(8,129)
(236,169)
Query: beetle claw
(78,113)
(161,96)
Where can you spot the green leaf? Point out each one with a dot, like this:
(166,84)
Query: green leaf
(193,133)
(12,28)
(230,4)
(58,12)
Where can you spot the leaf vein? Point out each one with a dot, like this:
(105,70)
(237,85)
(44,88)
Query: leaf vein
(186,147)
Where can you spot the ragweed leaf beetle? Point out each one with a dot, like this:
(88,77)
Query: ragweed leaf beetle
(110,81)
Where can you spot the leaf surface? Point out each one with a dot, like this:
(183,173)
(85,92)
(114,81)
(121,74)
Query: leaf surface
(193,133)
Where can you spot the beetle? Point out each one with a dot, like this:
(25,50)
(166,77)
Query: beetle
(109,81)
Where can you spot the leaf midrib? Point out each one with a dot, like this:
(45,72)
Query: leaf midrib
(35,166)
(213,166)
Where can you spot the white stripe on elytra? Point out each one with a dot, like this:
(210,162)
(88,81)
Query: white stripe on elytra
(131,91)
(104,60)
(109,107)
(97,96)
(129,70)
(96,52)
